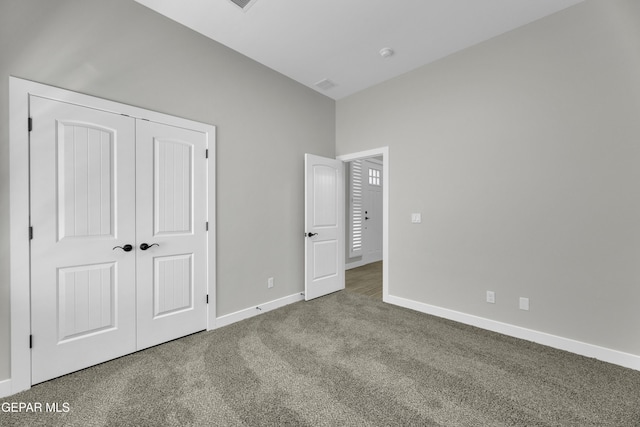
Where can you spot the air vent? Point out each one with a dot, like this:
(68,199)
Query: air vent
(243,4)
(325,84)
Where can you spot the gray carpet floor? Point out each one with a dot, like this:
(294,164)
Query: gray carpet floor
(342,360)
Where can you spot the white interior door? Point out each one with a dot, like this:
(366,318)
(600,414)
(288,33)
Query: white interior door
(82,206)
(372,229)
(324,225)
(171,218)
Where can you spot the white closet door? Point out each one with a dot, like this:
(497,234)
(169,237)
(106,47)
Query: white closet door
(171,188)
(82,206)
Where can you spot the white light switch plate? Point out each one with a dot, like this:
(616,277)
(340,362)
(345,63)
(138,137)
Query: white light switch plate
(416,218)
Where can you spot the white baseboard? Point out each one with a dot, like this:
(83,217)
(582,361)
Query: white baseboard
(584,349)
(230,318)
(354,264)
(5,388)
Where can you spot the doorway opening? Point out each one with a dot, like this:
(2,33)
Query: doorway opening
(367,213)
(365,280)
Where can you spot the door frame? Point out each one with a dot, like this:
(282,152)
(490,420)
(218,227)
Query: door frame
(361,155)
(19,209)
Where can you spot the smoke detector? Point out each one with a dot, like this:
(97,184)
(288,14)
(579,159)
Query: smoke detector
(244,4)
(386,52)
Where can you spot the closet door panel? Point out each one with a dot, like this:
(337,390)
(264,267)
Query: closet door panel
(171,232)
(82,207)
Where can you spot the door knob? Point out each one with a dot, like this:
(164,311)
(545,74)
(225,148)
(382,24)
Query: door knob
(366,217)
(311,234)
(126,248)
(145,246)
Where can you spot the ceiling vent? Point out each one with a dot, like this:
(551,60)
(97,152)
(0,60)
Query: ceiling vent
(243,4)
(325,84)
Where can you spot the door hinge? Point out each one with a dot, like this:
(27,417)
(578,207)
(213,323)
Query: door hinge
(30,233)
(30,124)
(206,226)
(30,341)
(207,298)
(206,153)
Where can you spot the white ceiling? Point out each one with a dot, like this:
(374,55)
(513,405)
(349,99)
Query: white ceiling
(340,40)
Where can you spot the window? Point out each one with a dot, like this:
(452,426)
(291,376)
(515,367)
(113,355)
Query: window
(374,177)
(355,209)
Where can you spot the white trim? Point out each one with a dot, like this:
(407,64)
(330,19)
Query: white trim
(578,347)
(19,92)
(354,264)
(384,152)
(19,275)
(213,235)
(5,388)
(237,316)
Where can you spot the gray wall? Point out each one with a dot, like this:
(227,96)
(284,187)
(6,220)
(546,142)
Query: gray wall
(523,155)
(122,51)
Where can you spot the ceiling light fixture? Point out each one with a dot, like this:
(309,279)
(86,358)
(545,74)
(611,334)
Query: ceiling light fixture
(386,52)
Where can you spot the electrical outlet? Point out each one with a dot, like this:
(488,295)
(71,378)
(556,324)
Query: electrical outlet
(270,282)
(524,303)
(491,297)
